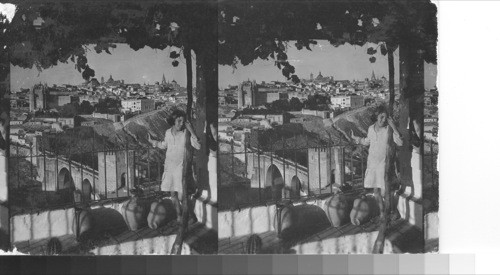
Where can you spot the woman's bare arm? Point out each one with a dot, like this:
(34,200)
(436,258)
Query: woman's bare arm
(158,144)
(195,141)
(360,140)
(398,138)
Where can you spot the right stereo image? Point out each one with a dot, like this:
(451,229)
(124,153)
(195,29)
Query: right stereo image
(327,127)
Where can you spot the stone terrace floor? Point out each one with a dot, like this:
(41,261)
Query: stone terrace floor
(404,238)
(199,238)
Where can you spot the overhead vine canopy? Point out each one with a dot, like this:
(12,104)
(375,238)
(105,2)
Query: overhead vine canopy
(261,30)
(44,34)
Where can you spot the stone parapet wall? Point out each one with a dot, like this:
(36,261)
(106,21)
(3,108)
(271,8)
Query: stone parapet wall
(47,224)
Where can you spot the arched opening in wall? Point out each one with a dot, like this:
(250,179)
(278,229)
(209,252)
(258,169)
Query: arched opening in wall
(65,185)
(86,190)
(274,182)
(122,185)
(295,187)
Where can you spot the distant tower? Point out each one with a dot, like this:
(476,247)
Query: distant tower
(38,97)
(110,80)
(113,165)
(311,77)
(32,100)
(241,98)
(373,75)
(254,90)
(102,79)
(163,81)
(320,75)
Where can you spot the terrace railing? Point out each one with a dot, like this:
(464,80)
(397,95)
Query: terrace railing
(42,178)
(293,169)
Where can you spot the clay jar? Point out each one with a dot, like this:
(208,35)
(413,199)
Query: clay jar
(363,210)
(161,213)
(299,221)
(337,209)
(135,212)
(287,217)
(84,225)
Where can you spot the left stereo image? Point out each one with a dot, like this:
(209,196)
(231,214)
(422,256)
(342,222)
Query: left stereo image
(108,123)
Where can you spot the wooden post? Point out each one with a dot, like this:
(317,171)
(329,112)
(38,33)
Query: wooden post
(4,187)
(189,85)
(204,44)
(411,86)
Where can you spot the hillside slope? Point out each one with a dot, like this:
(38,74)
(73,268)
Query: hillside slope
(135,130)
(338,129)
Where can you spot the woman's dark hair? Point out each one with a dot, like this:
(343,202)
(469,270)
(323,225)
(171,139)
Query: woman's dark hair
(381,109)
(176,114)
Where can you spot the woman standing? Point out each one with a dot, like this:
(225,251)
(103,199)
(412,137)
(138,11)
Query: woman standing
(175,141)
(382,136)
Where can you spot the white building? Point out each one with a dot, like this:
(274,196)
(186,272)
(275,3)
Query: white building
(347,101)
(138,105)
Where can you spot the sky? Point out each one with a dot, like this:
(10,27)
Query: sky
(345,62)
(148,65)
(143,66)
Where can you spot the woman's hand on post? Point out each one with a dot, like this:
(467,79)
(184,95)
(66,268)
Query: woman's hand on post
(355,138)
(393,125)
(390,121)
(190,128)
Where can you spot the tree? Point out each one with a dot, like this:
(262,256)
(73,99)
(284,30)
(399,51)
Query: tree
(317,102)
(108,106)
(279,106)
(296,104)
(86,108)
(69,110)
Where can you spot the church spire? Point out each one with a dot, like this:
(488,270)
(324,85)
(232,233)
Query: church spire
(373,75)
(163,81)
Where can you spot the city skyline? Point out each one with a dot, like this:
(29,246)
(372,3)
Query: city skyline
(153,64)
(347,62)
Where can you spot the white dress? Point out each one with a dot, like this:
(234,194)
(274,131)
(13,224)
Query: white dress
(377,154)
(174,157)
